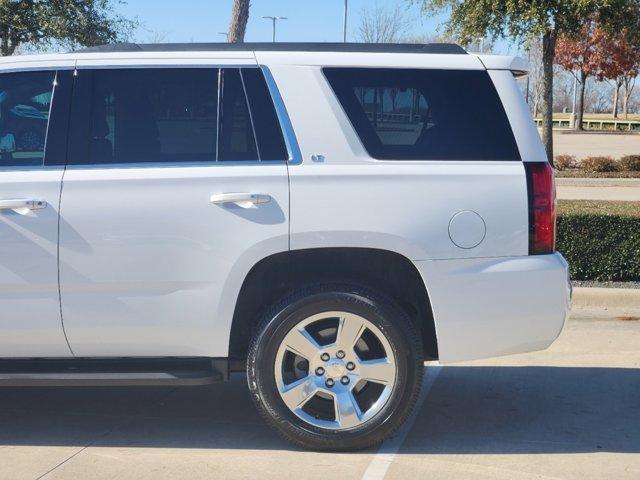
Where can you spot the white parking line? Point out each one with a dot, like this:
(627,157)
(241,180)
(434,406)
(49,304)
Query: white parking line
(383,458)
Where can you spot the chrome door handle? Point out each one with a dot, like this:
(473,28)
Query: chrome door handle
(244,200)
(22,205)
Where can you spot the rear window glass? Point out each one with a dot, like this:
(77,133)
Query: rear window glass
(412,114)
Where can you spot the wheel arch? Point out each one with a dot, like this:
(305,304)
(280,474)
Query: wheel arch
(276,275)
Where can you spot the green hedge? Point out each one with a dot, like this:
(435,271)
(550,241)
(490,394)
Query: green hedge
(600,240)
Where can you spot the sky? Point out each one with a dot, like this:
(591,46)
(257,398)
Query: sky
(308,20)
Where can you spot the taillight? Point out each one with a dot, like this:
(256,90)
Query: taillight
(542,207)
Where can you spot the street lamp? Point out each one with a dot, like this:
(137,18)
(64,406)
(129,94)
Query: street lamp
(273,22)
(226,35)
(344,21)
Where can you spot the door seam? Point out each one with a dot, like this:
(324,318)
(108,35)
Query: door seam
(64,331)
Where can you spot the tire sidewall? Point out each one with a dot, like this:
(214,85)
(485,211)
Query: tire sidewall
(393,324)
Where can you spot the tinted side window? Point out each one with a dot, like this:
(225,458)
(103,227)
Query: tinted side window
(148,115)
(237,136)
(25,103)
(265,120)
(411,114)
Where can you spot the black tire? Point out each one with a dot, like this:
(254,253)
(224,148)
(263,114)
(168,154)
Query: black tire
(403,337)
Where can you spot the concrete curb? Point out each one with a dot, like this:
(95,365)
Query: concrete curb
(598,297)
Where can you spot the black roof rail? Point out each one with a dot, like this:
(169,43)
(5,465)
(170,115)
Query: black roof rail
(448,48)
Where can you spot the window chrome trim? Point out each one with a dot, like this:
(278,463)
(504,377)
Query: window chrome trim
(30,168)
(193,164)
(290,140)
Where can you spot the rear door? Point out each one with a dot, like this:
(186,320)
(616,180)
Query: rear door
(33,112)
(176,176)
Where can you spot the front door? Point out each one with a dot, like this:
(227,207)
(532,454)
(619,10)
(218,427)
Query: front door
(175,176)
(30,322)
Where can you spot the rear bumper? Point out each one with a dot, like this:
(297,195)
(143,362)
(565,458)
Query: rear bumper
(491,307)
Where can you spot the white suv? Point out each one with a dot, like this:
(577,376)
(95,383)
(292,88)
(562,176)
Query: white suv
(324,217)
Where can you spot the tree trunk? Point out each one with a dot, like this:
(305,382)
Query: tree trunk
(629,83)
(616,95)
(548,56)
(239,19)
(580,112)
(625,105)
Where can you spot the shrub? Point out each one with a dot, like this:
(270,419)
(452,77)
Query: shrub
(600,240)
(565,162)
(629,163)
(599,164)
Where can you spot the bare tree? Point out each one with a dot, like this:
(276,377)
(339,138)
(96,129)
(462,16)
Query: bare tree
(428,38)
(239,19)
(383,25)
(599,96)
(157,36)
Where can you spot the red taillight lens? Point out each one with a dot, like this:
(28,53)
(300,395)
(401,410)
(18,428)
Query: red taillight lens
(542,207)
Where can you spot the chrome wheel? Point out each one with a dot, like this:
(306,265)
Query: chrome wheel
(335,370)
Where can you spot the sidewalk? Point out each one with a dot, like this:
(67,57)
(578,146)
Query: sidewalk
(621,189)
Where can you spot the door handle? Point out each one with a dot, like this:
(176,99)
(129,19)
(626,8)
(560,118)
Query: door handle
(22,205)
(244,200)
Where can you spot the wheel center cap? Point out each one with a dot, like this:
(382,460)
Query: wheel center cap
(335,368)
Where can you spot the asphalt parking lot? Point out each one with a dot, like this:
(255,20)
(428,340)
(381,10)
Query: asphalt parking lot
(570,412)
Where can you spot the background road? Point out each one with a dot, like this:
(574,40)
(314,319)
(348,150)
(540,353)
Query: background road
(570,412)
(583,145)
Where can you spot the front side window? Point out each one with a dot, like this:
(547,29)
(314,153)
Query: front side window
(25,103)
(411,114)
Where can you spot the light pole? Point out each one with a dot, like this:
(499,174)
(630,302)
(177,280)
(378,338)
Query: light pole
(226,35)
(344,21)
(274,20)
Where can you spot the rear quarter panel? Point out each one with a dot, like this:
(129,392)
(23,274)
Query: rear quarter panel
(349,199)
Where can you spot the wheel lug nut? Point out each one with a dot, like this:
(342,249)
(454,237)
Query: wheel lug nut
(319,371)
(340,354)
(329,383)
(324,357)
(351,365)
(344,380)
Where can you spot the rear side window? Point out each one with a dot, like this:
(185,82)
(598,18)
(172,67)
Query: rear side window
(412,114)
(265,120)
(25,104)
(237,136)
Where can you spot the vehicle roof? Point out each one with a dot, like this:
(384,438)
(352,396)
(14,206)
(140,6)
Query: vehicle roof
(433,48)
(431,55)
